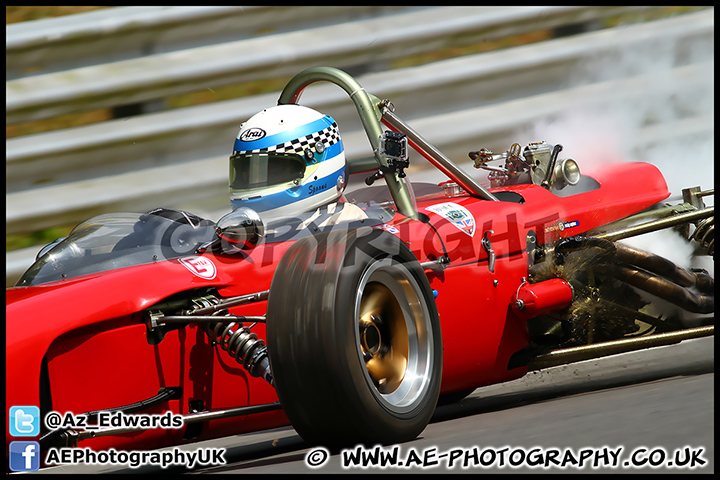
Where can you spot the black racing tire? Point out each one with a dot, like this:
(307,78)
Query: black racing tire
(354,339)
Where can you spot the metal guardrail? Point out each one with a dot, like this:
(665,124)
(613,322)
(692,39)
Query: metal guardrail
(342,45)
(114,34)
(178,157)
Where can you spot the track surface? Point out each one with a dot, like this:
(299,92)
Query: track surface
(644,406)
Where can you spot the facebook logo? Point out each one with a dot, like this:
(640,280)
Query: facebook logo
(24,456)
(24,421)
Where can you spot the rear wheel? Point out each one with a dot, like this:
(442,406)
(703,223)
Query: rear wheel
(354,339)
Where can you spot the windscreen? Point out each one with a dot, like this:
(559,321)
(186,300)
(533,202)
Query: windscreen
(117,240)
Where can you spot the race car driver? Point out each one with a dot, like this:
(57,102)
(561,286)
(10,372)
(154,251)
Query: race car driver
(287,160)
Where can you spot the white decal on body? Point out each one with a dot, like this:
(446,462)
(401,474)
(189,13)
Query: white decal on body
(200,266)
(457,215)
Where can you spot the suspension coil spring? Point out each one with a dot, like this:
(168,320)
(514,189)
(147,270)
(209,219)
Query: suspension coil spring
(704,234)
(244,346)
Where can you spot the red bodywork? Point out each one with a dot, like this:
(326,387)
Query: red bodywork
(90,330)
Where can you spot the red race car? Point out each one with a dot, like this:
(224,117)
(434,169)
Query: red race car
(349,320)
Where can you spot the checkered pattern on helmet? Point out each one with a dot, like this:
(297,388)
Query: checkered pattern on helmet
(328,136)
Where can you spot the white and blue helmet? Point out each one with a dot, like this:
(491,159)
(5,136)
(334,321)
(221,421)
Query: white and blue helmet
(286,160)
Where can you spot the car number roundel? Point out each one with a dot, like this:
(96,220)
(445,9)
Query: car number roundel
(201,267)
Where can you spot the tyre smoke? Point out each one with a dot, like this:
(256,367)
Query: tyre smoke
(652,102)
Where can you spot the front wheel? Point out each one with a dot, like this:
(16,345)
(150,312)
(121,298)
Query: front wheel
(354,339)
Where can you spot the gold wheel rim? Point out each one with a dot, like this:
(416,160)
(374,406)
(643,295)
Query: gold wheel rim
(383,337)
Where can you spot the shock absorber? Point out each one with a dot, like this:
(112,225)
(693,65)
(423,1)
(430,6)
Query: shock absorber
(244,346)
(221,327)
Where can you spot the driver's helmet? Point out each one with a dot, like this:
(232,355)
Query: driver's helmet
(287,160)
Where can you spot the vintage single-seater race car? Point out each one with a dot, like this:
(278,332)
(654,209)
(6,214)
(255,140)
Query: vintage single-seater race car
(350,320)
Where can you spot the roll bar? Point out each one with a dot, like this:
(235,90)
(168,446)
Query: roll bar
(372,112)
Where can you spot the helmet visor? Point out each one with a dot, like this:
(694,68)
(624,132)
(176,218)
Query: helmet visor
(250,170)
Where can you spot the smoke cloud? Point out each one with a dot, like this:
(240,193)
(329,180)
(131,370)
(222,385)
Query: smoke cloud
(654,104)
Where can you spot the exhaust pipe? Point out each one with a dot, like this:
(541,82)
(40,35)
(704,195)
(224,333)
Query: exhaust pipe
(660,287)
(700,280)
(649,272)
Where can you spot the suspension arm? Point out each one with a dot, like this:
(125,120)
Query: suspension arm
(658,224)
